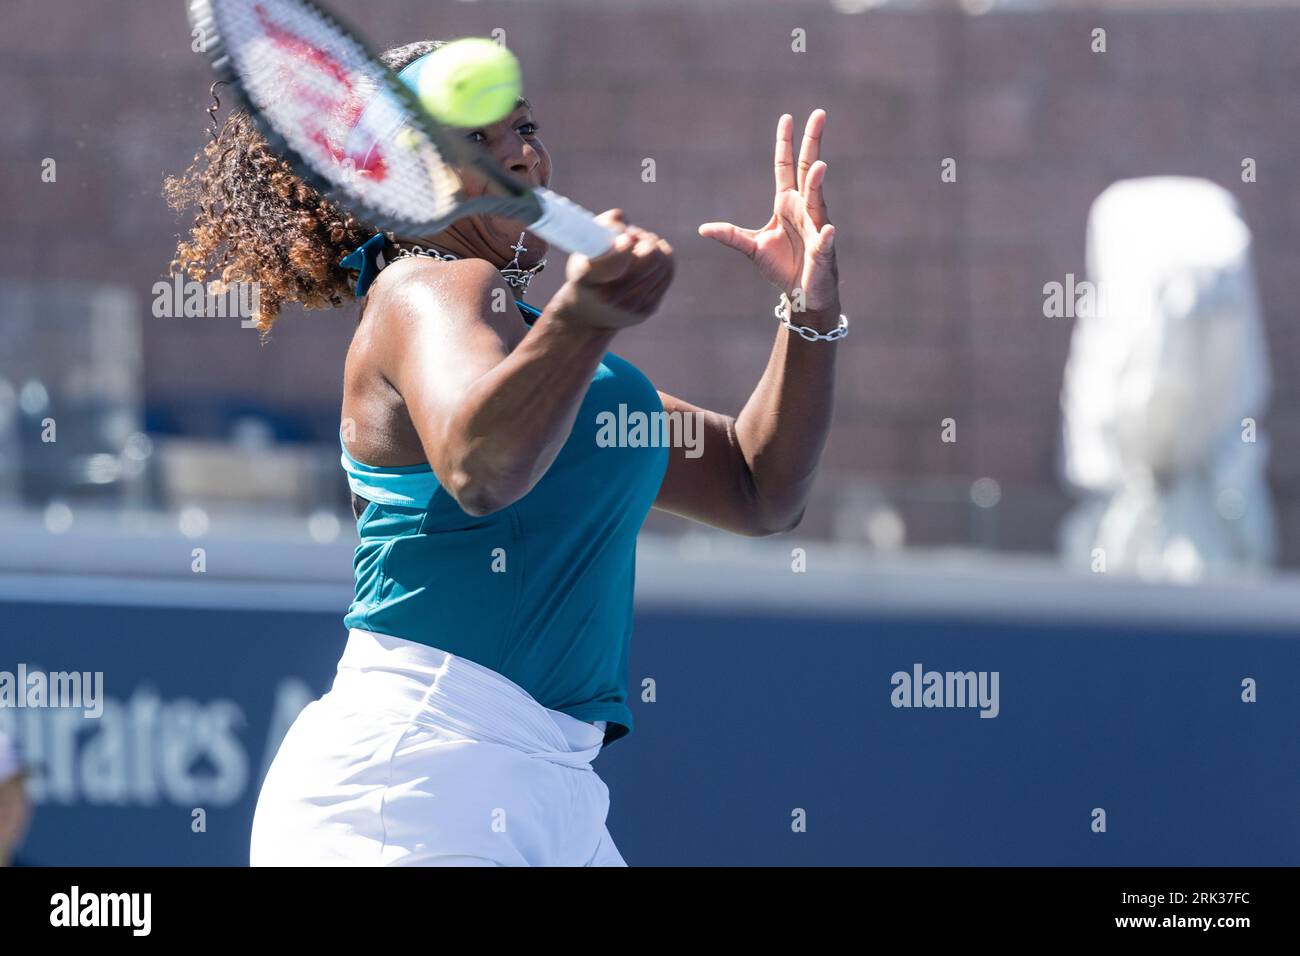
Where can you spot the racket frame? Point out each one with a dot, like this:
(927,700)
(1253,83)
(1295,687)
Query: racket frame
(519,201)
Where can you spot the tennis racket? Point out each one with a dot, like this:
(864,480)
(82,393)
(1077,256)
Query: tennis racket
(356,133)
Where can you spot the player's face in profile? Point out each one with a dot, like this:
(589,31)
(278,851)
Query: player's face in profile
(515,144)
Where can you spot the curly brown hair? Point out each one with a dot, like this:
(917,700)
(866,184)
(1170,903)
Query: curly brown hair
(257,222)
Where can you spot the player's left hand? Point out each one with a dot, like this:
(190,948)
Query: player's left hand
(795,250)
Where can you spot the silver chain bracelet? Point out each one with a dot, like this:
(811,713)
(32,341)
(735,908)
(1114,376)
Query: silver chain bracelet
(806,333)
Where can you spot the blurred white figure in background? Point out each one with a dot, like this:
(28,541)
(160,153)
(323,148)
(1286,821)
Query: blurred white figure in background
(1164,368)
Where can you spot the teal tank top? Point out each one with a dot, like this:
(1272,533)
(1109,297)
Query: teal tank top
(540,591)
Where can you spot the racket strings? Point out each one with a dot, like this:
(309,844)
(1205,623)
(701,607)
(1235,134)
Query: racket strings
(334,106)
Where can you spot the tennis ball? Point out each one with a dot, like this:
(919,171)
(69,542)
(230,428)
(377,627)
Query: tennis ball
(469,82)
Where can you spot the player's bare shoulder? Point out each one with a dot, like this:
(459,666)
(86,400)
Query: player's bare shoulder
(417,300)
(422,289)
(434,311)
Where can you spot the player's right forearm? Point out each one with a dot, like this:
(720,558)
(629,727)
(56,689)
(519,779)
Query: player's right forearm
(515,418)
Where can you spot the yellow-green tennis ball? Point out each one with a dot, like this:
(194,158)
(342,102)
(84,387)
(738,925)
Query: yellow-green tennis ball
(470,82)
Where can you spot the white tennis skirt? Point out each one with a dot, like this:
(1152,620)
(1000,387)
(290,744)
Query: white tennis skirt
(417,757)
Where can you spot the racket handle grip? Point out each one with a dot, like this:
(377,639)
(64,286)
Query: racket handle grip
(566,224)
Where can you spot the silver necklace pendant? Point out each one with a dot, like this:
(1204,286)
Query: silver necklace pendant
(514,275)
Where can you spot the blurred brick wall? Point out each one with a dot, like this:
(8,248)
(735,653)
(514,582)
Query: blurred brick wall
(943,282)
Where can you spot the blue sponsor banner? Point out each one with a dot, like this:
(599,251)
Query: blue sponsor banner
(759,739)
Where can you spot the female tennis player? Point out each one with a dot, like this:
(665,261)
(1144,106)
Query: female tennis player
(487,658)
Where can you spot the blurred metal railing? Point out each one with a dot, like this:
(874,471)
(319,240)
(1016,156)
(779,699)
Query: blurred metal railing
(71,388)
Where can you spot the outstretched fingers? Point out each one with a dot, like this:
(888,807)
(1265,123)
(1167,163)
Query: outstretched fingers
(742,240)
(824,245)
(814,196)
(811,149)
(784,159)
